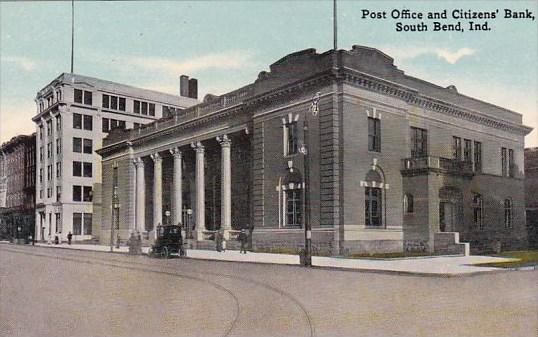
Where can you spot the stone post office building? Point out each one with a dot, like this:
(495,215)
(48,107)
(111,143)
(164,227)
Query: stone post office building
(396,163)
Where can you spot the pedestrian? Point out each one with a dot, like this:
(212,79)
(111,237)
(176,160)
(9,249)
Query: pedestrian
(180,243)
(242,237)
(49,240)
(32,239)
(60,238)
(56,240)
(69,237)
(218,241)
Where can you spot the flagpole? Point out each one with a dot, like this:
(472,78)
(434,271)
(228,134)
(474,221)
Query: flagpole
(72,32)
(335,26)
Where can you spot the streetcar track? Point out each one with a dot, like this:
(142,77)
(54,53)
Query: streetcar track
(307,316)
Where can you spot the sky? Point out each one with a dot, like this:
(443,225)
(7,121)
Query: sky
(225,44)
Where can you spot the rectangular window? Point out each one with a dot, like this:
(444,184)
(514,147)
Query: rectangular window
(151,109)
(41,175)
(511,164)
(374,134)
(508,213)
(41,132)
(88,146)
(122,124)
(136,107)
(144,108)
(77,169)
(77,193)
(291,138)
(114,102)
(293,207)
(504,162)
(88,122)
(106,101)
(87,193)
(467,150)
(121,103)
(49,127)
(58,223)
(419,142)
(87,169)
(456,148)
(58,193)
(78,96)
(372,206)
(106,126)
(58,170)
(58,123)
(113,124)
(478,214)
(478,156)
(87,224)
(49,149)
(88,98)
(58,146)
(77,145)
(77,121)
(77,223)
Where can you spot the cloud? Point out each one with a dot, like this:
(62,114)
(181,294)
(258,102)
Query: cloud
(408,53)
(226,60)
(20,61)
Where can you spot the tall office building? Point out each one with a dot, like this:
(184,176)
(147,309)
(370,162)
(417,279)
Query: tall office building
(74,114)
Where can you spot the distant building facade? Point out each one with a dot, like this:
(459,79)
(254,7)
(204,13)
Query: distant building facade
(531,194)
(17,187)
(74,113)
(396,163)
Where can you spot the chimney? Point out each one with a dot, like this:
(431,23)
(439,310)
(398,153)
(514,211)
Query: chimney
(184,85)
(193,88)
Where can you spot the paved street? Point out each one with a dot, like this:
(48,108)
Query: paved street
(54,292)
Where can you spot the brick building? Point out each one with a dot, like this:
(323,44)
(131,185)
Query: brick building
(74,113)
(531,194)
(17,187)
(396,163)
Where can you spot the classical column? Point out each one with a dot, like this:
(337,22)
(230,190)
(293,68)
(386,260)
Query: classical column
(157,191)
(200,190)
(140,195)
(178,187)
(226,188)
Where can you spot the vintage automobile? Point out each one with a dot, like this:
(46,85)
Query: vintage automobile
(168,242)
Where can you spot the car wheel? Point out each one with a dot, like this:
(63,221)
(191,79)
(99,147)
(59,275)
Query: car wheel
(165,253)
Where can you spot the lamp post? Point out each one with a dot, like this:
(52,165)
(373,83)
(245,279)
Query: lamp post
(167,214)
(314,109)
(115,216)
(189,226)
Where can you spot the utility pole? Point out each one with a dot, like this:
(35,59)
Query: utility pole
(72,33)
(335,30)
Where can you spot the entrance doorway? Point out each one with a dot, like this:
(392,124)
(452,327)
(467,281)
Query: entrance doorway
(446,216)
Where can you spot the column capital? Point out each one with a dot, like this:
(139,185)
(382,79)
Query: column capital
(156,157)
(138,162)
(197,146)
(224,140)
(176,152)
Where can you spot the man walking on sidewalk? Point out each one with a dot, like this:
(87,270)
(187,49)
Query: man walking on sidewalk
(243,239)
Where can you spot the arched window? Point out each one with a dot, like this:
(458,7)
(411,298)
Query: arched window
(408,203)
(373,199)
(508,213)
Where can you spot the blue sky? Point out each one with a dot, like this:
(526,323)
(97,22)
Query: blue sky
(225,44)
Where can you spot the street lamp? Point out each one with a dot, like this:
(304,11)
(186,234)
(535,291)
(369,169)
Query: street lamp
(314,109)
(189,226)
(115,217)
(167,214)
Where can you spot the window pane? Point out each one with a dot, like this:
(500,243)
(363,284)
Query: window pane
(88,97)
(77,223)
(88,122)
(78,96)
(77,144)
(114,102)
(77,169)
(136,107)
(151,109)
(121,105)
(144,108)
(88,146)
(87,169)
(77,193)
(105,101)
(87,194)
(77,121)
(105,125)
(113,124)
(87,224)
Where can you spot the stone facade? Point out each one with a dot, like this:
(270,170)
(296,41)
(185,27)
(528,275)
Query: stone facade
(531,194)
(17,187)
(74,114)
(367,161)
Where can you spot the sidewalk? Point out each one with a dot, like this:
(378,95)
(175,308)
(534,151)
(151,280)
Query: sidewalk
(435,265)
